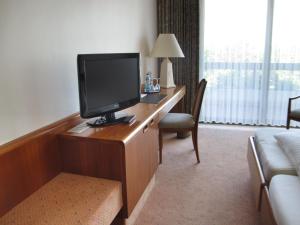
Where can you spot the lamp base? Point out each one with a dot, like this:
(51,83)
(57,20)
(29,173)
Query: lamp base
(166,74)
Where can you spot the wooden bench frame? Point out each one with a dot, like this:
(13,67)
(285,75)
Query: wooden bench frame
(259,185)
(29,162)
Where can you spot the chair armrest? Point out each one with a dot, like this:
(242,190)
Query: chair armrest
(290,99)
(290,103)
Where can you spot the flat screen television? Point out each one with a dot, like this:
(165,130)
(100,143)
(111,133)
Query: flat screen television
(107,83)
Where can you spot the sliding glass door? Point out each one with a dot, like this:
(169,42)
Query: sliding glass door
(284,80)
(251,68)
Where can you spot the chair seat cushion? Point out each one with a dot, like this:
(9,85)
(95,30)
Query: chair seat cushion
(272,158)
(285,199)
(177,120)
(295,113)
(69,199)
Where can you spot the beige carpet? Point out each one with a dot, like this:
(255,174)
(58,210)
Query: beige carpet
(214,192)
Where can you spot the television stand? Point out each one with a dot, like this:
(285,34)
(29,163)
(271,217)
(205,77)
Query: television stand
(110,119)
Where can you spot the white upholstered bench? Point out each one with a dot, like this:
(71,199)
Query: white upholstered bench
(69,199)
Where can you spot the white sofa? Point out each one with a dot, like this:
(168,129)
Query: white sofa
(272,158)
(274,179)
(285,199)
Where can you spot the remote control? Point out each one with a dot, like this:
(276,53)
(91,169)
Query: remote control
(129,119)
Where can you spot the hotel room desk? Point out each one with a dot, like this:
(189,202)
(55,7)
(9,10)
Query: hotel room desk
(128,153)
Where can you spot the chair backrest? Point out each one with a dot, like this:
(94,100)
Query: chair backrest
(198,100)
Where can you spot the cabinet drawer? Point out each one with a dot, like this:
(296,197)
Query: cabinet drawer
(141,156)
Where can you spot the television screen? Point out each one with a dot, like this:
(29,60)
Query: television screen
(108,83)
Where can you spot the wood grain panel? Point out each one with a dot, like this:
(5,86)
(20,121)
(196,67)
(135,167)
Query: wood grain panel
(92,158)
(141,159)
(29,162)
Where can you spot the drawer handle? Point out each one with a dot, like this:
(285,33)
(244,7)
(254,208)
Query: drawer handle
(152,122)
(145,128)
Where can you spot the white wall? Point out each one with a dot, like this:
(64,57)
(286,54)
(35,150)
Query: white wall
(39,41)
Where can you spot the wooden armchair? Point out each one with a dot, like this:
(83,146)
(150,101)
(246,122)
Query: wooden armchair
(292,114)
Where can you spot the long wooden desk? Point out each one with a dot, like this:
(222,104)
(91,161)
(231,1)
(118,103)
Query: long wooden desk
(128,153)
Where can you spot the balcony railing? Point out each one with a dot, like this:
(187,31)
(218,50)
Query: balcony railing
(250,66)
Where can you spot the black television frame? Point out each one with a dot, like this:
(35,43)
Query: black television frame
(109,112)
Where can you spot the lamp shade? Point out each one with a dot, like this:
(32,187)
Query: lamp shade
(166,46)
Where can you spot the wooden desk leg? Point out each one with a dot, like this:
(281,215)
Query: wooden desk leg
(160,146)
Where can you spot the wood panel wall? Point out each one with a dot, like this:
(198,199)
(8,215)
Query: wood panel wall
(29,162)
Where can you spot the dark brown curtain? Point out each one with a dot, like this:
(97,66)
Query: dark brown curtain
(181,17)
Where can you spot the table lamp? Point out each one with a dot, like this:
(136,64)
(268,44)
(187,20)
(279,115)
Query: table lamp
(166,46)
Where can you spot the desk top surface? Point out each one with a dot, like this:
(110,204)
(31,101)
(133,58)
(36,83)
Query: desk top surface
(144,113)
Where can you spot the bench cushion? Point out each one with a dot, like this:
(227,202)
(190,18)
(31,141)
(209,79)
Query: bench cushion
(273,159)
(69,199)
(285,199)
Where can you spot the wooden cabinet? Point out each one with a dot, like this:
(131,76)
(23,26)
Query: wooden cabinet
(128,153)
(133,163)
(141,158)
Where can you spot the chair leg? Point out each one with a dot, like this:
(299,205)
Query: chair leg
(195,143)
(160,146)
(288,123)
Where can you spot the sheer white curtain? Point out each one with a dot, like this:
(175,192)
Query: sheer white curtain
(284,81)
(246,73)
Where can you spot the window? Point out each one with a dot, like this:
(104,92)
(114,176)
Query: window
(251,60)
